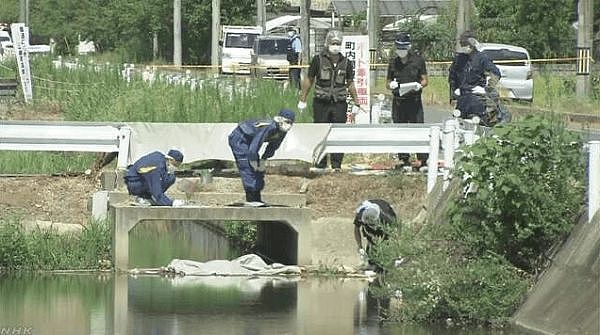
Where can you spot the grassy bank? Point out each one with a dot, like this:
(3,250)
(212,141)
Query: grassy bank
(520,193)
(22,250)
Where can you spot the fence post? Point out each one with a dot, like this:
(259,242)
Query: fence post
(124,137)
(594,179)
(434,149)
(448,144)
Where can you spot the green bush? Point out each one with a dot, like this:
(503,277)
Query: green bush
(437,282)
(527,182)
(49,250)
(242,234)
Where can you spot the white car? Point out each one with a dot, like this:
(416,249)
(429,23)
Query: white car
(515,67)
(6,44)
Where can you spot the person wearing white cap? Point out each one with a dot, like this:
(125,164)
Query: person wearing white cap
(373,220)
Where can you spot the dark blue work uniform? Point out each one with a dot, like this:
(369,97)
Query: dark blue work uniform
(245,142)
(148,178)
(466,72)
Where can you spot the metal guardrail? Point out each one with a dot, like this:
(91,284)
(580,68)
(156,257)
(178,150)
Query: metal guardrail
(341,138)
(68,137)
(8,87)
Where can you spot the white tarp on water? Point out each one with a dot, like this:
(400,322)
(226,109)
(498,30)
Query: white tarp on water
(207,141)
(246,265)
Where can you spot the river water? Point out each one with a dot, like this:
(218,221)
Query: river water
(106,303)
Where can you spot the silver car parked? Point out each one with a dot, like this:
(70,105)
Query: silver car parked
(515,67)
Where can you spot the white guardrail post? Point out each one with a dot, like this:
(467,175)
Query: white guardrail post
(594,179)
(434,149)
(448,145)
(124,136)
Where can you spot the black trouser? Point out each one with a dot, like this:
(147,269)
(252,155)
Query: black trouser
(409,110)
(325,111)
(295,75)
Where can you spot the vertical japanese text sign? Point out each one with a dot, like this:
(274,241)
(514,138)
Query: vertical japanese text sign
(356,49)
(20,36)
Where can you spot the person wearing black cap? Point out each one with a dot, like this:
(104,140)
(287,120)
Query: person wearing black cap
(247,139)
(150,177)
(406,76)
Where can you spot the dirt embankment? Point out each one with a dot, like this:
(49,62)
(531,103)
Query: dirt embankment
(65,199)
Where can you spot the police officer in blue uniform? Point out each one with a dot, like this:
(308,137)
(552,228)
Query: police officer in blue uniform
(468,80)
(150,177)
(247,139)
(294,51)
(333,76)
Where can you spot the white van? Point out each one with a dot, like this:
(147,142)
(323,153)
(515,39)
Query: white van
(515,67)
(236,48)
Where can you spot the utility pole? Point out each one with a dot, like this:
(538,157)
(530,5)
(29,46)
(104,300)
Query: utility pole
(585,10)
(215,28)
(463,14)
(23,11)
(261,15)
(373,24)
(305,32)
(177,32)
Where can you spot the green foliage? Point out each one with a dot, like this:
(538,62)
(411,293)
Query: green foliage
(47,250)
(541,26)
(436,282)
(528,188)
(242,234)
(13,244)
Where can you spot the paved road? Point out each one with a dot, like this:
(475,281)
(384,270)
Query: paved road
(439,113)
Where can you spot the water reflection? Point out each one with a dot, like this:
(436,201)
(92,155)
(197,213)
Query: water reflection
(155,243)
(122,304)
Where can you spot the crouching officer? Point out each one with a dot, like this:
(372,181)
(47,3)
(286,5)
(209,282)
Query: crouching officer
(246,140)
(373,220)
(150,177)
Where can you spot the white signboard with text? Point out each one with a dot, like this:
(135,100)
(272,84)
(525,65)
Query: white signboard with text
(356,48)
(20,36)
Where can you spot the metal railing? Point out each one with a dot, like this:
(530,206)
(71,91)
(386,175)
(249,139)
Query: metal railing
(78,137)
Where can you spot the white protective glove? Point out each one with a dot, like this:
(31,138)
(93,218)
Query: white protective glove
(178,203)
(393,84)
(357,109)
(301,106)
(478,90)
(262,165)
(363,255)
(418,86)
(457,92)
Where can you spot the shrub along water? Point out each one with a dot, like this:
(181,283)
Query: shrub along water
(49,250)
(525,189)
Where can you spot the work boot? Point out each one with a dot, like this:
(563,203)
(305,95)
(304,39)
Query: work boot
(254,204)
(143,202)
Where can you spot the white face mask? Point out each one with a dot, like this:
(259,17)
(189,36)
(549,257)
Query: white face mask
(402,53)
(284,126)
(171,168)
(290,34)
(464,50)
(334,49)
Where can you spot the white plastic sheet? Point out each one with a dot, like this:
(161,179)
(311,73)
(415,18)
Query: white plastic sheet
(207,141)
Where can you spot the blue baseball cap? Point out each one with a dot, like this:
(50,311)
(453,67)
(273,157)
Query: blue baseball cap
(176,155)
(288,114)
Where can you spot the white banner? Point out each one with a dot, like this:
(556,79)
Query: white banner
(20,36)
(356,48)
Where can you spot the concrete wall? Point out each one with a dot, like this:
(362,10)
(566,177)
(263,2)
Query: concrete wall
(566,299)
